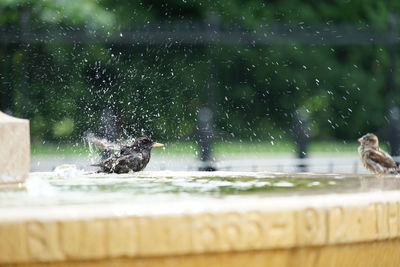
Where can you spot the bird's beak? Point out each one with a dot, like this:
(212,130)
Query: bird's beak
(157,145)
(360,140)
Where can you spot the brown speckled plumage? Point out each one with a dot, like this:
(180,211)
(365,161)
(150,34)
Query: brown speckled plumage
(373,158)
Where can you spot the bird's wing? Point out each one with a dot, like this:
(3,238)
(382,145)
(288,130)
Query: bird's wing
(107,163)
(126,150)
(135,156)
(125,159)
(137,161)
(382,158)
(102,143)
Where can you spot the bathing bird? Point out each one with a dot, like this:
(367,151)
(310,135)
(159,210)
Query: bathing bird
(373,158)
(130,157)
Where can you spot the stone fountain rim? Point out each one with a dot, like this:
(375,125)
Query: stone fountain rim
(241,204)
(231,224)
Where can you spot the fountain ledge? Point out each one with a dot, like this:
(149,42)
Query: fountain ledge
(327,228)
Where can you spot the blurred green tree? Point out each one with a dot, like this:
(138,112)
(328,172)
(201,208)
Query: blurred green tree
(158,89)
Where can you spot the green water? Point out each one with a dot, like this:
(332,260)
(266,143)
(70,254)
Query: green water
(79,188)
(214,186)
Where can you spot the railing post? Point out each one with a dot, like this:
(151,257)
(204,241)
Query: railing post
(205,117)
(301,137)
(394,131)
(204,138)
(24,64)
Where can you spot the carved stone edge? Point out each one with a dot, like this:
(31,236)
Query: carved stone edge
(207,232)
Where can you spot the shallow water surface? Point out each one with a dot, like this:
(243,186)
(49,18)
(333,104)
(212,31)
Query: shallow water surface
(71,186)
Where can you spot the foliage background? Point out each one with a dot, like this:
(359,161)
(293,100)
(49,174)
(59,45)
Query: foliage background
(159,89)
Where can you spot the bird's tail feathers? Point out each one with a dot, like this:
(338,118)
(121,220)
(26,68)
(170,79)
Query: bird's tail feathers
(96,165)
(397,166)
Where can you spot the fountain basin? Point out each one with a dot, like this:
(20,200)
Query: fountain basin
(197,218)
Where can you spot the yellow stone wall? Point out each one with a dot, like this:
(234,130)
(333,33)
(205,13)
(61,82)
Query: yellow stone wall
(355,235)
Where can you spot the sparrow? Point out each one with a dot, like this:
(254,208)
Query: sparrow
(130,157)
(373,158)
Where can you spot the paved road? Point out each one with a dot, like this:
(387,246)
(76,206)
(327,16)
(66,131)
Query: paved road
(323,163)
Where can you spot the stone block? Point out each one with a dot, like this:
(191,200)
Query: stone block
(14,149)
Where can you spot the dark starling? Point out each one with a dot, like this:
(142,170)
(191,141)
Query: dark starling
(373,158)
(132,157)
